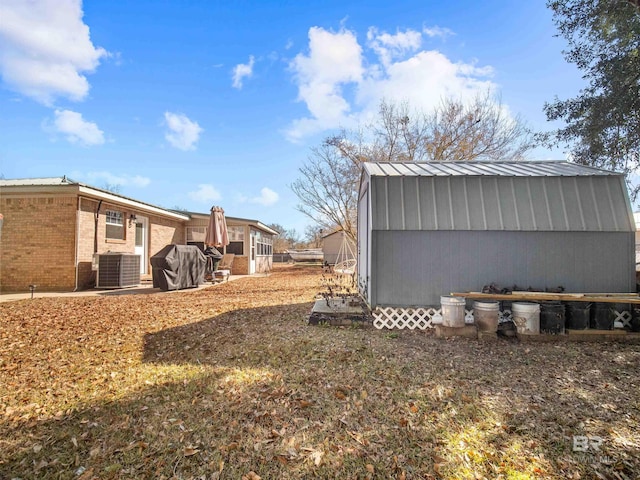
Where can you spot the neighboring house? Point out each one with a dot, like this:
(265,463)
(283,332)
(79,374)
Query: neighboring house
(333,246)
(429,229)
(53,227)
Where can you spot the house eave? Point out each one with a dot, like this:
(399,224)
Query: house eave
(102,195)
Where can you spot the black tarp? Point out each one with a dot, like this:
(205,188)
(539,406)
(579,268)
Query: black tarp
(212,255)
(178,266)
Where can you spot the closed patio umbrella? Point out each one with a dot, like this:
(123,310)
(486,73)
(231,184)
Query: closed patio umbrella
(217,235)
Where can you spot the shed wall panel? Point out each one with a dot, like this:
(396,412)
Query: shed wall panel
(411,268)
(500,203)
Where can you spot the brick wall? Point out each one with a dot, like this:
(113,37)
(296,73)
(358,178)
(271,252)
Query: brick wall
(38,243)
(240,265)
(164,231)
(87,230)
(161,232)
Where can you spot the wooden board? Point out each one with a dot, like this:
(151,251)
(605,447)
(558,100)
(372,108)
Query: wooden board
(543,296)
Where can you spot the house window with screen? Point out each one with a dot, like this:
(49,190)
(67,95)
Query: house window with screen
(115,225)
(236,240)
(196,234)
(265,244)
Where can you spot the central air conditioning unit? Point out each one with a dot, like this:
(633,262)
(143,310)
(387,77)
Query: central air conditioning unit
(118,270)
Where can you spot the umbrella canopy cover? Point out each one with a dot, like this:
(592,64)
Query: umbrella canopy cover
(217,235)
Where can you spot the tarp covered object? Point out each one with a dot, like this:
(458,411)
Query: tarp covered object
(178,266)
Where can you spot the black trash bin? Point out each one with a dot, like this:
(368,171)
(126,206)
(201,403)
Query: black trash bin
(552,318)
(578,315)
(178,266)
(602,316)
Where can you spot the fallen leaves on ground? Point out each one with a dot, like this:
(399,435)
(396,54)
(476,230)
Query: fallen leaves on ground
(230,382)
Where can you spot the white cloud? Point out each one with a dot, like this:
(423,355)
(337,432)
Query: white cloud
(76,129)
(388,46)
(342,82)
(266,198)
(205,194)
(437,31)
(334,60)
(241,71)
(183,133)
(95,178)
(45,49)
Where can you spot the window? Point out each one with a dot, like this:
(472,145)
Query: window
(265,244)
(236,240)
(196,234)
(236,247)
(115,225)
(236,234)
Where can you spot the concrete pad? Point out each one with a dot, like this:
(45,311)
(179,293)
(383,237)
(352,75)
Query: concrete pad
(336,306)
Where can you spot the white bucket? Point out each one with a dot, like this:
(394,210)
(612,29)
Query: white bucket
(486,316)
(526,316)
(452,311)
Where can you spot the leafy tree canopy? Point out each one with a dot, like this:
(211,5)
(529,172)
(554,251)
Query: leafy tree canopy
(602,123)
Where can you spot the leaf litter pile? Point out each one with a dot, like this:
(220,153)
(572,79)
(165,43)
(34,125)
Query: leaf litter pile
(230,382)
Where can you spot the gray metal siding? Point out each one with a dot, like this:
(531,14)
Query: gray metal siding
(363,250)
(411,268)
(516,203)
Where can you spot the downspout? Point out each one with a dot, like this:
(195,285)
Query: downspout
(77,239)
(95,228)
(96,216)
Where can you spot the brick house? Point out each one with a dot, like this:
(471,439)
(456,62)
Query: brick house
(52,227)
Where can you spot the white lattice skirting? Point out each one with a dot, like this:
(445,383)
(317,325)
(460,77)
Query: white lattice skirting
(411,318)
(428,317)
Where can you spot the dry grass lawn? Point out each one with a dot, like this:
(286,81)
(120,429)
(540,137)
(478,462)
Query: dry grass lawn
(230,382)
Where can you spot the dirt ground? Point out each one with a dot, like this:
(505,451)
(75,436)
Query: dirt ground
(231,382)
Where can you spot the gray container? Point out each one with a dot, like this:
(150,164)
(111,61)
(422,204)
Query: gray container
(452,311)
(486,316)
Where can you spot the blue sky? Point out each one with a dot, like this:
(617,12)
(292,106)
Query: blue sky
(198,103)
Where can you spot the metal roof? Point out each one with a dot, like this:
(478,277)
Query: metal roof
(498,169)
(514,196)
(30,184)
(19,182)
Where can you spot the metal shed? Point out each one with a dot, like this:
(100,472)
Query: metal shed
(428,229)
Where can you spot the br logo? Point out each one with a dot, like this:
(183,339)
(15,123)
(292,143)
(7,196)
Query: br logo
(584,443)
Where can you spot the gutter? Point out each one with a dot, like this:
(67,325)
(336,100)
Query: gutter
(119,200)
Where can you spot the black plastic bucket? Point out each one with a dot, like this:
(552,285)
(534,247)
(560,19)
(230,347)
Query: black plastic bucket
(601,316)
(578,315)
(552,317)
(635,319)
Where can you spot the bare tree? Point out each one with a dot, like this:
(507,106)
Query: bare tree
(481,130)
(327,188)
(286,238)
(112,187)
(313,236)
(454,131)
